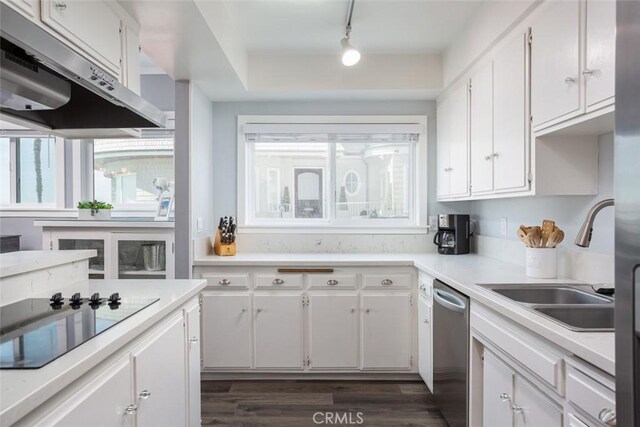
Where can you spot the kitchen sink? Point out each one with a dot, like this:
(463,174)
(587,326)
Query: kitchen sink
(540,294)
(581,318)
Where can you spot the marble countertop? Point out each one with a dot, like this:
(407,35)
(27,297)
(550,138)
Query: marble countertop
(13,263)
(464,273)
(112,223)
(23,390)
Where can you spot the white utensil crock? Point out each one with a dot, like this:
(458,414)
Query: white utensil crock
(542,263)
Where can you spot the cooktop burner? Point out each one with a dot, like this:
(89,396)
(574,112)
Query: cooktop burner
(36,331)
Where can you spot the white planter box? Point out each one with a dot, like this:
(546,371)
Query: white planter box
(101,215)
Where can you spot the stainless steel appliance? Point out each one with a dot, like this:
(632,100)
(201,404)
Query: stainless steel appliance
(45,85)
(451,353)
(627,213)
(36,331)
(453,235)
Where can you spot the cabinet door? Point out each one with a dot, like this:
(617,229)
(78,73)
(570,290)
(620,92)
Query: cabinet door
(26,7)
(497,392)
(107,395)
(459,141)
(91,25)
(510,116)
(142,256)
(160,376)
(193,360)
(278,329)
(599,70)
(226,330)
(481,130)
(425,343)
(99,266)
(442,144)
(532,408)
(555,62)
(386,331)
(333,331)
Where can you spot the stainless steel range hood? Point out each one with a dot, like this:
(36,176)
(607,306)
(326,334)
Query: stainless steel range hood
(45,85)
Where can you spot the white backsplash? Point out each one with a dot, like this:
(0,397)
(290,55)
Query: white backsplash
(573,262)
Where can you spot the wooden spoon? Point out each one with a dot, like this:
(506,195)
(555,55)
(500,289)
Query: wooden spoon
(547,229)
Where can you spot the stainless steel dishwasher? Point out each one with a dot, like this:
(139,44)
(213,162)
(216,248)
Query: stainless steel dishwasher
(451,353)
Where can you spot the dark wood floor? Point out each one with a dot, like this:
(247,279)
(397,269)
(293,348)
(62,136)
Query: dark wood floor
(295,403)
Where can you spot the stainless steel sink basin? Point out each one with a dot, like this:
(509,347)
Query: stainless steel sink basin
(581,318)
(550,295)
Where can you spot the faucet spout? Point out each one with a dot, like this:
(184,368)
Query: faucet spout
(583,238)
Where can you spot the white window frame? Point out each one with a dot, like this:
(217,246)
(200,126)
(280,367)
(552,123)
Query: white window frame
(417,222)
(29,209)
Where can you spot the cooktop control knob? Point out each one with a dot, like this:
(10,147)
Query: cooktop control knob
(95,298)
(76,298)
(114,297)
(56,298)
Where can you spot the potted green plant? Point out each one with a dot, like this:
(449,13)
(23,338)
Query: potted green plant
(94,210)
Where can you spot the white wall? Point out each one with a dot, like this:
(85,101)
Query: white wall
(225,141)
(567,211)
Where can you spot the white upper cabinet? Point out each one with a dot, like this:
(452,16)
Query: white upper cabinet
(555,63)
(510,116)
(599,70)
(29,8)
(90,25)
(442,175)
(481,130)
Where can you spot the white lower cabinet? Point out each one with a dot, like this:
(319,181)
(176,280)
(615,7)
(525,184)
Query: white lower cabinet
(192,316)
(333,331)
(227,330)
(532,408)
(159,371)
(386,331)
(278,331)
(425,342)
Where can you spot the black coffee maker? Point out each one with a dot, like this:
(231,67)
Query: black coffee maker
(453,235)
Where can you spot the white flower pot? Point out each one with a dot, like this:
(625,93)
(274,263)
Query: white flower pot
(101,215)
(542,263)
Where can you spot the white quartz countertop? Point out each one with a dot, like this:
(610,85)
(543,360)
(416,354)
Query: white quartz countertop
(13,263)
(23,390)
(464,273)
(112,223)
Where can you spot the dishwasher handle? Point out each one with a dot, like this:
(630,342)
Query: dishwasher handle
(449,300)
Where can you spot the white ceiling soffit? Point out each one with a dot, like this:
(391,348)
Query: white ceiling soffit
(289,49)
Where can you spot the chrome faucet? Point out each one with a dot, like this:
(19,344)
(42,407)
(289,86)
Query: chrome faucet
(583,238)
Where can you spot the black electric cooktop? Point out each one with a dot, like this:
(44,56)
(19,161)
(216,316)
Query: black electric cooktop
(36,331)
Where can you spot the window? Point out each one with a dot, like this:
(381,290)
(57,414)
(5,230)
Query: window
(310,171)
(126,171)
(32,172)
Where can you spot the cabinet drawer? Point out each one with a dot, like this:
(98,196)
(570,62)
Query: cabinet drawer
(392,280)
(333,281)
(521,347)
(233,281)
(425,287)
(278,281)
(588,394)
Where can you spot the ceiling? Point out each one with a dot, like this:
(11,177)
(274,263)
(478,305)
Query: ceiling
(379,26)
(290,49)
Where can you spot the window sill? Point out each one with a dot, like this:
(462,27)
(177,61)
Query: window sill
(288,229)
(36,212)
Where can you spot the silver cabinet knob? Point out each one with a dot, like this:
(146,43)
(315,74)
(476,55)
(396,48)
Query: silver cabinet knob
(505,397)
(353,310)
(60,5)
(277,281)
(258,310)
(423,288)
(130,410)
(494,155)
(426,321)
(386,282)
(332,282)
(244,309)
(570,80)
(487,157)
(225,282)
(367,310)
(516,408)
(589,73)
(144,394)
(607,416)
(193,340)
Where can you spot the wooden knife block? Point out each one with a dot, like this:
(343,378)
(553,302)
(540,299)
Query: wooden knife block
(221,249)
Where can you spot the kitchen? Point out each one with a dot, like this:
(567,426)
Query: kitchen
(262,211)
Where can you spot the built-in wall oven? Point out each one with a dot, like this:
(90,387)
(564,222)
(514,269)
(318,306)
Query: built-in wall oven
(451,353)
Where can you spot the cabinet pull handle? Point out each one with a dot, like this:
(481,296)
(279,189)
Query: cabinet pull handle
(130,410)
(277,281)
(367,310)
(387,282)
(423,288)
(570,80)
(517,409)
(225,282)
(60,5)
(244,309)
(193,340)
(353,310)
(589,73)
(426,321)
(494,155)
(332,282)
(258,310)
(487,157)
(145,394)
(505,397)
(607,416)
